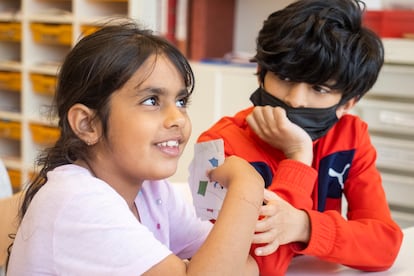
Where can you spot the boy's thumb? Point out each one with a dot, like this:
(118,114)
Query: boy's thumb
(270,196)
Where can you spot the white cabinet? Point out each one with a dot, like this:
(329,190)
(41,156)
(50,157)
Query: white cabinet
(35,36)
(389,111)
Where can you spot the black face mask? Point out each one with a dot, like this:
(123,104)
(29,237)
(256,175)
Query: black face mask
(315,121)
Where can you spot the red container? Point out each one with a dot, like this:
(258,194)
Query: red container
(390,23)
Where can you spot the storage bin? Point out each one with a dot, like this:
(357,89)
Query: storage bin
(10,129)
(10,81)
(89,29)
(390,23)
(58,34)
(394,153)
(43,84)
(44,135)
(388,117)
(10,31)
(399,189)
(15,179)
(395,80)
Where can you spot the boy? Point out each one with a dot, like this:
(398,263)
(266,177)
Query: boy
(314,62)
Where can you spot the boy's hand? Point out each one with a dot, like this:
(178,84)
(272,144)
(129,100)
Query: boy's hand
(273,126)
(281,224)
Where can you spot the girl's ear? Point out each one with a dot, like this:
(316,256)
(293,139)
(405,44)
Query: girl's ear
(84,124)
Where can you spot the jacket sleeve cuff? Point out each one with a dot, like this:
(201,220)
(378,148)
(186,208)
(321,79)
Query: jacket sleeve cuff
(294,179)
(323,232)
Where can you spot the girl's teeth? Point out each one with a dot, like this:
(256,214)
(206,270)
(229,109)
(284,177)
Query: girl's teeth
(169,144)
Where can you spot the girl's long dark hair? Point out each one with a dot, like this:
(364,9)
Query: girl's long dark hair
(98,65)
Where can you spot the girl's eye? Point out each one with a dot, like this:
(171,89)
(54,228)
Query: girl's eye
(183,102)
(150,101)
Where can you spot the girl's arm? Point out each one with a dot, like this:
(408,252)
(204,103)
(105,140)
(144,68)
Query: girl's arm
(226,249)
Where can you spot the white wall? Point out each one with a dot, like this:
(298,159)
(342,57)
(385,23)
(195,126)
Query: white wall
(400,3)
(249,18)
(388,4)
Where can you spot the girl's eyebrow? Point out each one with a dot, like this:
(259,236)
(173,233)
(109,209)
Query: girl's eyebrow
(149,90)
(183,92)
(161,91)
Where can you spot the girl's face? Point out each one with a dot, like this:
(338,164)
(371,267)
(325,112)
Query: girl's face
(148,126)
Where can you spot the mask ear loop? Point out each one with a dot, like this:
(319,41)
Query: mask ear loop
(261,73)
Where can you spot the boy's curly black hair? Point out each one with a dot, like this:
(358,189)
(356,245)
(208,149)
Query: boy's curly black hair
(316,41)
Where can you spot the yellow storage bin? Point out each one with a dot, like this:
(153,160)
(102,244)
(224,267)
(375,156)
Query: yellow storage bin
(44,135)
(52,33)
(32,175)
(15,179)
(89,29)
(10,129)
(43,84)
(11,81)
(10,31)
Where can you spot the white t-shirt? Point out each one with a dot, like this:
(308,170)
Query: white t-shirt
(5,185)
(78,225)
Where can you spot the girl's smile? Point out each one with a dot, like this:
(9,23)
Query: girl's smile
(170,147)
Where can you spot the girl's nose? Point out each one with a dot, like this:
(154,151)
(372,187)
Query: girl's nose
(175,117)
(296,96)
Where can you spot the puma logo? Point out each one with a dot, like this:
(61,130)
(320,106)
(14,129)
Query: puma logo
(338,175)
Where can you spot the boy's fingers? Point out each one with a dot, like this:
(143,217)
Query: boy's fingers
(267,211)
(270,196)
(267,249)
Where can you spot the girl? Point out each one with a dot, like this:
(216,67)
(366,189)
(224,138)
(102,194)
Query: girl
(100,205)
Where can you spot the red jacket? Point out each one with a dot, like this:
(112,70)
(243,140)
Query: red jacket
(343,164)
